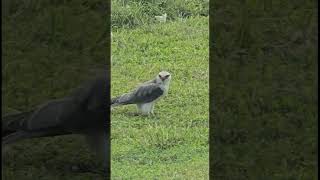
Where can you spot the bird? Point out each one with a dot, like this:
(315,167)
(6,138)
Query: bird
(162,18)
(84,112)
(146,94)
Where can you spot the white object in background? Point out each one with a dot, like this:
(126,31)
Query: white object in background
(162,18)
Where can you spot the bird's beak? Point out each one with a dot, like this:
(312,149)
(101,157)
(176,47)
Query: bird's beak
(163,78)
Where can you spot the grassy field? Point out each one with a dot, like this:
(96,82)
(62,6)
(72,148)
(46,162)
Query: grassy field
(51,47)
(263,73)
(135,13)
(263,84)
(174,143)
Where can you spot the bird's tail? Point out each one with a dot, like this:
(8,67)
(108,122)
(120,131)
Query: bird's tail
(21,135)
(14,136)
(121,100)
(12,122)
(115,101)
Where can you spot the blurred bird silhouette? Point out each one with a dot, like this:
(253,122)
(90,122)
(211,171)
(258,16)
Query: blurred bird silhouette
(85,112)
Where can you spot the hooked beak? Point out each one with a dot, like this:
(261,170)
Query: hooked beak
(163,78)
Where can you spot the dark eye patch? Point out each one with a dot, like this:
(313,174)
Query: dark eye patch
(167,76)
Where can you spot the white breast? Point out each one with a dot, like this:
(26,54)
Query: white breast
(165,88)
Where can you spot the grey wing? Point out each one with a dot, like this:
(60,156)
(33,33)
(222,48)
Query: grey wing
(143,94)
(46,116)
(46,120)
(147,93)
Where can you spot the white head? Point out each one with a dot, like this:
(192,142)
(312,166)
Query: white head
(163,77)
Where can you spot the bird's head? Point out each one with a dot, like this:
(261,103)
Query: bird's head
(163,77)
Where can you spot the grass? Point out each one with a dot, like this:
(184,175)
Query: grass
(174,143)
(263,70)
(50,48)
(263,79)
(135,13)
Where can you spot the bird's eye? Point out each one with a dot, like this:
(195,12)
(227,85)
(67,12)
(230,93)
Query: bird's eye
(167,75)
(159,76)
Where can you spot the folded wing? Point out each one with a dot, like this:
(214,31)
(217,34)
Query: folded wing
(144,94)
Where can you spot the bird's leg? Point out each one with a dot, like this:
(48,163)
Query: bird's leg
(139,108)
(100,143)
(144,109)
(152,108)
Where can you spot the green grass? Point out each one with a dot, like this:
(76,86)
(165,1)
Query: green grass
(263,79)
(49,48)
(135,13)
(174,143)
(263,72)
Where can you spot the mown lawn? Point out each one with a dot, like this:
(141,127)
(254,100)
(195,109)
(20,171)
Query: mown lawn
(49,48)
(263,84)
(174,143)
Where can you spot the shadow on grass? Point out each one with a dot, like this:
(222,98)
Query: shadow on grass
(48,158)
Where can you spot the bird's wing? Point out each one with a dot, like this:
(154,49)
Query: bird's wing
(82,112)
(147,93)
(46,120)
(143,94)
(46,116)
(86,107)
